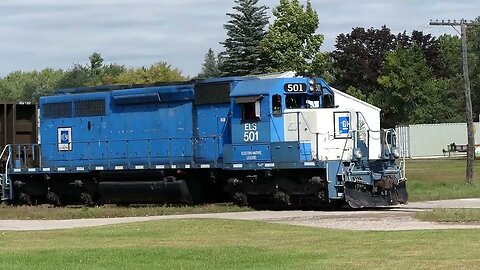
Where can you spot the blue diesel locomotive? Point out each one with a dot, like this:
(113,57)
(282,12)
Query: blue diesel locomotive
(281,142)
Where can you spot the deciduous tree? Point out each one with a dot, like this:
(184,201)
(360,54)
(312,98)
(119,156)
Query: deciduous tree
(93,73)
(291,42)
(159,72)
(29,86)
(359,56)
(411,93)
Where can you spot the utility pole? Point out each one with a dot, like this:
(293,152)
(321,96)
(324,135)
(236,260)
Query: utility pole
(468,99)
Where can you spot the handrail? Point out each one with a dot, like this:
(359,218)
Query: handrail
(4,149)
(6,167)
(8,183)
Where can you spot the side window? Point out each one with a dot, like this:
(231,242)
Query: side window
(277,105)
(251,111)
(250,106)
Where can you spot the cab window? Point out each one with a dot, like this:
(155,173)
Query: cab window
(251,111)
(250,106)
(293,101)
(277,105)
(312,101)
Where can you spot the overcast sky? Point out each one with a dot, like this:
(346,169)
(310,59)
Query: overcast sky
(35,34)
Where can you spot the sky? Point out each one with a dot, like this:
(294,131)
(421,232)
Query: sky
(35,34)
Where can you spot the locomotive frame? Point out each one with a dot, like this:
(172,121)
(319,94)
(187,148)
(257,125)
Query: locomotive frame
(271,143)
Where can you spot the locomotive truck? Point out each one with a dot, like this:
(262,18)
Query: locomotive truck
(277,142)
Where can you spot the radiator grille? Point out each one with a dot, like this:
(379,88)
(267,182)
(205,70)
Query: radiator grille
(57,110)
(94,107)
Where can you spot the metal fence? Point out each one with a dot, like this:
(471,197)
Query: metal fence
(433,140)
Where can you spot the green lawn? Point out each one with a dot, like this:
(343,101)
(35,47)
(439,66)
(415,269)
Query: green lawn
(451,215)
(440,179)
(106,211)
(222,244)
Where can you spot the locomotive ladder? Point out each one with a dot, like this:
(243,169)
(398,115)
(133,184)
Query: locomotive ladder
(5,183)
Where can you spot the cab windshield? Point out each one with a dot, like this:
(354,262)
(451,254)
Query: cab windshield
(296,101)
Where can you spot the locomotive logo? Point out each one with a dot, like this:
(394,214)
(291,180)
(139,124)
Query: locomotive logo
(342,125)
(64,139)
(64,136)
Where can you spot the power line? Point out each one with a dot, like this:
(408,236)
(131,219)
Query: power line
(468,99)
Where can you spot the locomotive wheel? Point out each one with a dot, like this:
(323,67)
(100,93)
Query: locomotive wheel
(54,198)
(281,198)
(86,199)
(240,199)
(24,199)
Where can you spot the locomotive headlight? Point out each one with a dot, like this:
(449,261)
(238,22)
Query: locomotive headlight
(312,84)
(357,153)
(395,152)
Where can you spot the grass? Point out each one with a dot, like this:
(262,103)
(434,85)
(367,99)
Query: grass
(47,212)
(440,179)
(468,215)
(222,244)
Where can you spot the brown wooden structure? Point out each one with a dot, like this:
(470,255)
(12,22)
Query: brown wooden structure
(18,123)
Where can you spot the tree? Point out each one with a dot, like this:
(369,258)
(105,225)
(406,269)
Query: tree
(428,45)
(450,56)
(324,66)
(245,30)
(95,72)
(354,92)
(210,67)
(403,74)
(411,93)
(43,83)
(96,66)
(159,72)
(96,61)
(291,42)
(11,87)
(29,86)
(77,76)
(109,73)
(359,56)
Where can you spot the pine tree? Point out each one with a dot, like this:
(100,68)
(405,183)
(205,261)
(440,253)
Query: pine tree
(291,42)
(210,65)
(245,31)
